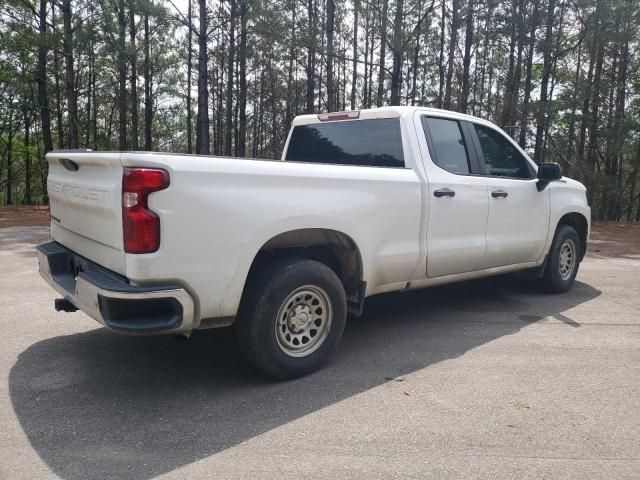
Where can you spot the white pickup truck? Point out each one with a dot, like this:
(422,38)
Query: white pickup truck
(361,203)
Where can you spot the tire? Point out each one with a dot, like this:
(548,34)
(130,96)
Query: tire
(291,317)
(562,262)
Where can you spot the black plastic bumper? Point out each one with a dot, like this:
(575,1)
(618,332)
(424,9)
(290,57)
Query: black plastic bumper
(110,298)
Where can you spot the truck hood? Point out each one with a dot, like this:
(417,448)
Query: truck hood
(571,183)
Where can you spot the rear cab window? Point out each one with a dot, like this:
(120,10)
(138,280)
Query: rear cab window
(447,144)
(371,142)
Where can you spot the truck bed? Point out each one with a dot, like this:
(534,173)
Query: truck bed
(218,212)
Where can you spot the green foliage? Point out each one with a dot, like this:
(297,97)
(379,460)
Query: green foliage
(594,69)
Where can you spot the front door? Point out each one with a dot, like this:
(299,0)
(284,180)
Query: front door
(518,213)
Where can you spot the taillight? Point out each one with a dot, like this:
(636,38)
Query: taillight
(141,226)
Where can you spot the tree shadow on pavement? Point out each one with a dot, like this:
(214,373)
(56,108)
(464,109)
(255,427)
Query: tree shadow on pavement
(98,405)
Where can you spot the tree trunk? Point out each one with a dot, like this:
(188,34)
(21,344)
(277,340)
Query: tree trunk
(354,74)
(517,75)
(122,78)
(41,78)
(365,80)
(242,89)
(441,68)
(524,118)
(586,95)
(592,123)
(58,89)
(27,155)
(311,57)
(272,101)
(134,77)
(416,65)
(89,95)
(291,65)
(331,88)
(452,51)
(569,157)
(189,68)
(369,101)
(148,83)
(218,139)
(9,185)
(236,150)
(632,188)
(202,129)
(614,208)
(217,92)
(41,82)
(486,68)
(466,61)
(383,53)
(509,94)
(58,97)
(230,64)
(538,154)
(592,146)
(70,82)
(396,70)
(94,102)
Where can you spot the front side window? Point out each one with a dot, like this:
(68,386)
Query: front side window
(500,157)
(376,143)
(447,146)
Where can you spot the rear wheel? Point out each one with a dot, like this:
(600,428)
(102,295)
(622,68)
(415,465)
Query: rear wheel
(292,317)
(563,261)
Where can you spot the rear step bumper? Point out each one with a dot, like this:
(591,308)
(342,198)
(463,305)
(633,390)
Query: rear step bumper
(110,299)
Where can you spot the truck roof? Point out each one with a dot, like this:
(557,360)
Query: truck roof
(373,113)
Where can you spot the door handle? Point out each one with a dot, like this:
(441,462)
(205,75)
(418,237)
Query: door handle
(445,192)
(499,193)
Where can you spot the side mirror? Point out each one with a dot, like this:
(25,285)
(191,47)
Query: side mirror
(548,172)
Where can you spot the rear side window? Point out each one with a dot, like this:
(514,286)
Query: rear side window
(500,157)
(447,146)
(375,143)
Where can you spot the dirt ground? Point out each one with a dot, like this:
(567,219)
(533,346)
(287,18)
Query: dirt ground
(35,216)
(609,239)
(614,239)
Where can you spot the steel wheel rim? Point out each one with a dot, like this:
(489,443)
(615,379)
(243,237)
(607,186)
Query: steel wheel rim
(567,259)
(304,321)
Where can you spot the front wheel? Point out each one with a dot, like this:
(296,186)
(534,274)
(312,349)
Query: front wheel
(563,261)
(292,317)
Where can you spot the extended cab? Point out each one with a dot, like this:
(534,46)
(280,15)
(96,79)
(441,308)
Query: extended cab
(361,203)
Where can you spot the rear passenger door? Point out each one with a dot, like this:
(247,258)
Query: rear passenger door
(518,213)
(457,201)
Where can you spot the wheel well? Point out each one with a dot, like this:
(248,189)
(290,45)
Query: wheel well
(335,249)
(579,222)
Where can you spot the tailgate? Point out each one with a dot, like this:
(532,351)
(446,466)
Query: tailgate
(85,190)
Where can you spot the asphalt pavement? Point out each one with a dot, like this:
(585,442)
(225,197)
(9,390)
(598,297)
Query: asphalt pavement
(485,379)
